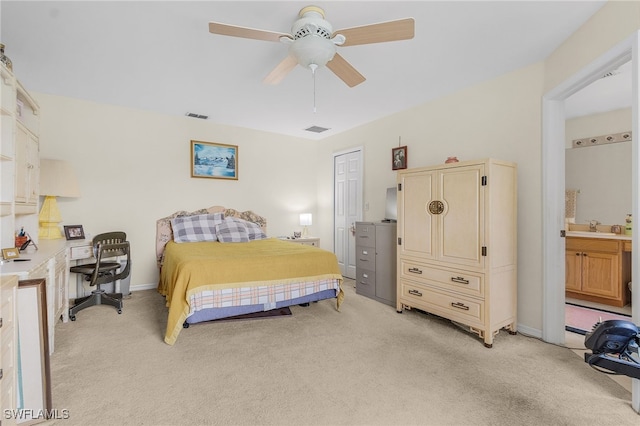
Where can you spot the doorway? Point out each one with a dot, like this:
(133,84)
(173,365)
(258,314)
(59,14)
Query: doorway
(553,189)
(347,207)
(598,153)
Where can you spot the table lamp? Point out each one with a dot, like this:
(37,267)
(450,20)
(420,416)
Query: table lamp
(305,220)
(57,179)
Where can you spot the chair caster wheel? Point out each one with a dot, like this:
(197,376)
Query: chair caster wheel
(72,317)
(119,311)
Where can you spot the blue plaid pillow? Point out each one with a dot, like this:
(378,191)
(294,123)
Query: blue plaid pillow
(232,231)
(201,227)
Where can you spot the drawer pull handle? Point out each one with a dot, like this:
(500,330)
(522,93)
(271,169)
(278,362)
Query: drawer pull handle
(415,293)
(363,260)
(459,280)
(364,283)
(415,271)
(460,305)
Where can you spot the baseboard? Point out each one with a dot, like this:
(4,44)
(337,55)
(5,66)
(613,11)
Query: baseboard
(140,287)
(528,331)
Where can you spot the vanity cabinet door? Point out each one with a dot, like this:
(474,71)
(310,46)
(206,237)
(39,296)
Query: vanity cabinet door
(600,274)
(573,270)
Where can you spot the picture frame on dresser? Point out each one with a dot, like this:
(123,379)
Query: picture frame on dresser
(214,160)
(10,253)
(74,232)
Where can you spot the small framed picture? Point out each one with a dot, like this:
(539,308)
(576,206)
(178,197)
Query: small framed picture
(74,232)
(399,158)
(10,253)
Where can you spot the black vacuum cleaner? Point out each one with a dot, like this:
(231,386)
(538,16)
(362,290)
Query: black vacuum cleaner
(614,346)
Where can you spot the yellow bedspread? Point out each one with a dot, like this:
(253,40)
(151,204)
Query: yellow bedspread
(193,267)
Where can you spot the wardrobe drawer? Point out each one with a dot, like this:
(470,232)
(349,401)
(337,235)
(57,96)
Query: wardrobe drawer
(462,281)
(366,282)
(366,257)
(448,305)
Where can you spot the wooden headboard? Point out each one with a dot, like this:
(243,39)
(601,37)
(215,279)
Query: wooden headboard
(164,233)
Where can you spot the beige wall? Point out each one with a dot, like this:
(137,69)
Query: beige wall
(613,23)
(134,168)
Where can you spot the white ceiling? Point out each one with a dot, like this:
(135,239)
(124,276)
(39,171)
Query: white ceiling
(159,56)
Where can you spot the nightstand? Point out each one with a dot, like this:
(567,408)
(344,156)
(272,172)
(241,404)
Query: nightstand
(307,241)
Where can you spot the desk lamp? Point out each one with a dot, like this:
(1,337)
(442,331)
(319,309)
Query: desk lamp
(305,221)
(57,179)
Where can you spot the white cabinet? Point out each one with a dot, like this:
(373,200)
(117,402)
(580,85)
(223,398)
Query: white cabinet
(51,262)
(19,159)
(55,270)
(457,243)
(27,170)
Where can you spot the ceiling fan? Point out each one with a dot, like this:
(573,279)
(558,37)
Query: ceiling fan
(313,43)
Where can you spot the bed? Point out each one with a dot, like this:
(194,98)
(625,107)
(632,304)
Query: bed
(218,263)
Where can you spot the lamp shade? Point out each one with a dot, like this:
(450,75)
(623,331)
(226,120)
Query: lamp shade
(305,219)
(57,178)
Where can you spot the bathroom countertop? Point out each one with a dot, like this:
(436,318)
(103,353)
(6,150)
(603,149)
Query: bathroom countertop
(603,235)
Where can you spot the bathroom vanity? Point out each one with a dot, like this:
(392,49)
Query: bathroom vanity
(598,267)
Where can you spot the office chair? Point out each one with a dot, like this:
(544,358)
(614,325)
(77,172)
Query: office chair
(105,246)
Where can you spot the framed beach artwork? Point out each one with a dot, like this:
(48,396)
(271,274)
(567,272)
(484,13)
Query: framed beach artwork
(214,160)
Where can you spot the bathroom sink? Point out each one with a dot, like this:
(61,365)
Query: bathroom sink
(589,234)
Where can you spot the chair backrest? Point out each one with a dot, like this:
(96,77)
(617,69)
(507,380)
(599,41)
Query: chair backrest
(108,245)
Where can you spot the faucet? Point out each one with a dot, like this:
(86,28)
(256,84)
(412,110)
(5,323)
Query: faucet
(593,225)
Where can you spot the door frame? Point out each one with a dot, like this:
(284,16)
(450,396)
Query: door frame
(553,188)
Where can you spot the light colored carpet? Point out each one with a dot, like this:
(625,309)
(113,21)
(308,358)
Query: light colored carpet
(366,365)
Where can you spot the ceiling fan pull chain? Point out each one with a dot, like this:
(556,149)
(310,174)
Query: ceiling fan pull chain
(313,72)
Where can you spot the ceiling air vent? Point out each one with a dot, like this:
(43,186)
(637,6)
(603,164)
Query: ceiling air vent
(316,129)
(194,115)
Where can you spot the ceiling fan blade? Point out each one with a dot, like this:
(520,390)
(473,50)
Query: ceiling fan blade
(402,29)
(244,32)
(345,71)
(281,70)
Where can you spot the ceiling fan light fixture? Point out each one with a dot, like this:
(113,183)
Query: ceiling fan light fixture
(313,50)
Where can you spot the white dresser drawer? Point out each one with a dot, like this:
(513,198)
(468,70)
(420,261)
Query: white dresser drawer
(449,305)
(465,282)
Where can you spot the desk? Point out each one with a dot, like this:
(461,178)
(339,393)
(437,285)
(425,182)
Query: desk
(51,262)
